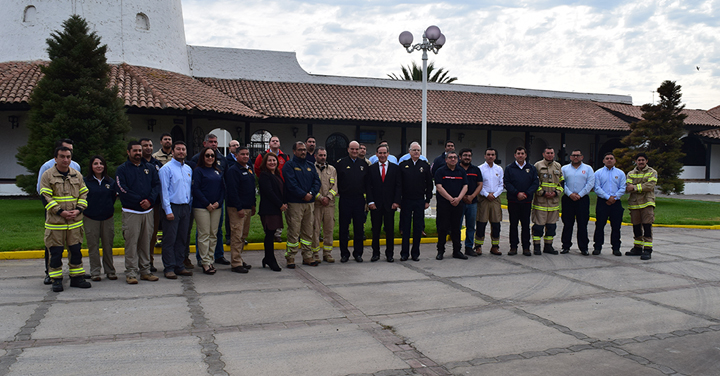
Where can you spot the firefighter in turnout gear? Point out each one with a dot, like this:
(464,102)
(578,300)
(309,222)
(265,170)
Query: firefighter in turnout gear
(546,203)
(641,183)
(324,207)
(64,194)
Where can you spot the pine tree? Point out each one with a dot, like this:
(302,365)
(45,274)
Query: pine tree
(73,101)
(658,135)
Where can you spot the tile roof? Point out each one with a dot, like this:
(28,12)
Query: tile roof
(715,112)
(17,80)
(710,133)
(694,117)
(366,103)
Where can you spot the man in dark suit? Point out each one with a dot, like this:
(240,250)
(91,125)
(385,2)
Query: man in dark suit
(351,172)
(382,184)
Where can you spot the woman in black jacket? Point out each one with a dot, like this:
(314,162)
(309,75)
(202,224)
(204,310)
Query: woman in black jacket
(99,223)
(272,204)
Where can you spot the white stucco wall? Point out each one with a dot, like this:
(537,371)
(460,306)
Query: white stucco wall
(162,46)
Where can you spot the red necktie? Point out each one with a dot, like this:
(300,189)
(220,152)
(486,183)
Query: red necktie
(383,172)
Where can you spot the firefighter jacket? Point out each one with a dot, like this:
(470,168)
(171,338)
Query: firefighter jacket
(550,176)
(644,181)
(328,183)
(59,193)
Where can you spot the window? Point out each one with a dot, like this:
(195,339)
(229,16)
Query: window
(259,142)
(142,22)
(336,145)
(29,14)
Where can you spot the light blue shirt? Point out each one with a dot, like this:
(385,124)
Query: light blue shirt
(391,158)
(407,156)
(609,183)
(47,165)
(176,182)
(579,180)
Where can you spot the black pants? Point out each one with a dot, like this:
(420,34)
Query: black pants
(383,218)
(412,212)
(519,212)
(575,211)
(615,213)
(449,220)
(351,209)
(175,238)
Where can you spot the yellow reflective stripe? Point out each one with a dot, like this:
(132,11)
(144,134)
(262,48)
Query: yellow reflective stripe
(652,179)
(332,181)
(51,204)
(638,187)
(561,189)
(479,241)
(55,274)
(317,196)
(305,242)
(539,188)
(638,242)
(548,209)
(46,190)
(537,238)
(293,245)
(82,202)
(495,242)
(55,227)
(75,225)
(83,189)
(645,205)
(328,247)
(629,181)
(316,249)
(548,238)
(647,244)
(332,192)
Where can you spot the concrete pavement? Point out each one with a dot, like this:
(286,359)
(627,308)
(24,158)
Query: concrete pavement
(491,315)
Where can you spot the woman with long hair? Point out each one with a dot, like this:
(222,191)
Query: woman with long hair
(99,223)
(272,204)
(208,192)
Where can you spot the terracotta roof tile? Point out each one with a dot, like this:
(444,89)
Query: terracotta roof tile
(711,133)
(338,102)
(17,79)
(694,117)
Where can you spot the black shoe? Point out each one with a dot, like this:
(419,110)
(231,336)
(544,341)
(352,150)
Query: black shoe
(550,250)
(57,285)
(403,258)
(86,276)
(564,251)
(585,252)
(374,258)
(439,256)
(240,269)
(617,252)
(153,269)
(416,258)
(271,263)
(470,252)
(634,252)
(596,252)
(647,255)
(526,252)
(247,266)
(80,282)
(47,280)
(344,258)
(459,255)
(359,258)
(222,261)
(537,251)
(390,259)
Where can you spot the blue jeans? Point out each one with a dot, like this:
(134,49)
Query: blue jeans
(470,215)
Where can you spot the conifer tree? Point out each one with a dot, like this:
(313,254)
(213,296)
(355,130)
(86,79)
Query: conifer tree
(72,100)
(658,135)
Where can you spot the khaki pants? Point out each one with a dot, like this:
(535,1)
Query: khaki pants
(325,219)
(207,223)
(240,228)
(542,217)
(299,218)
(60,238)
(137,232)
(95,231)
(642,216)
(488,211)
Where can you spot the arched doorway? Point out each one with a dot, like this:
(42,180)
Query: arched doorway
(510,150)
(259,142)
(177,133)
(537,150)
(224,137)
(336,145)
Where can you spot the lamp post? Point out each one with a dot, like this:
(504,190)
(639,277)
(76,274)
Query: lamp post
(433,40)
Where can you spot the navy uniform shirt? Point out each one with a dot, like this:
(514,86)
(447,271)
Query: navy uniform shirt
(417,180)
(452,181)
(473,177)
(351,177)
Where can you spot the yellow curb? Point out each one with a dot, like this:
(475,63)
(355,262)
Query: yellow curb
(38,254)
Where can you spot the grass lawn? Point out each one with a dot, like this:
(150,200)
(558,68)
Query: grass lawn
(22,227)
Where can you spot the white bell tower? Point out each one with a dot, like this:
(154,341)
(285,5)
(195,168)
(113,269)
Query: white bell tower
(148,33)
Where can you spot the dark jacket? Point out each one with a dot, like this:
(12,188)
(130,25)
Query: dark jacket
(101,198)
(137,183)
(240,187)
(416,180)
(437,163)
(208,187)
(386,193)
(301,178)
(271,194)
(221,161)
(521,180)
(351,177)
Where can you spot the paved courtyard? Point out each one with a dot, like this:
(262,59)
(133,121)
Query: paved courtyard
(492,315)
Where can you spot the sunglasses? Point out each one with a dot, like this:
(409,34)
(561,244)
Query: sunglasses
(209,155)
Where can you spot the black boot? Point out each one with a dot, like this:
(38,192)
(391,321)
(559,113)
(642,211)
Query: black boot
(459,255)
(57,285)
(537,249)
(646,255)
(635,251)
(79,281)
(270,261)
(470,252)
(549,249)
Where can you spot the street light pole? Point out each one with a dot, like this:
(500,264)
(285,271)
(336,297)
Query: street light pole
(433,40)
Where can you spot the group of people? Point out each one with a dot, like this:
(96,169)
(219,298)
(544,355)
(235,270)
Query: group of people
(166,190)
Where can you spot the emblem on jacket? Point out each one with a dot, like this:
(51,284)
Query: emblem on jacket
(421,169)
(107,186)
(147,171)
(527,170)
(362,168)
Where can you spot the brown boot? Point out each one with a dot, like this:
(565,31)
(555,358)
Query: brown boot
(188,264)
(513,252)
(328,258)
(495,250)
(316,257)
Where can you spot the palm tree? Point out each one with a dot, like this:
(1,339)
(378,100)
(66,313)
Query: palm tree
(414,73)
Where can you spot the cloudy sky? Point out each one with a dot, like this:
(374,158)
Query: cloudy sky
(596,46)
